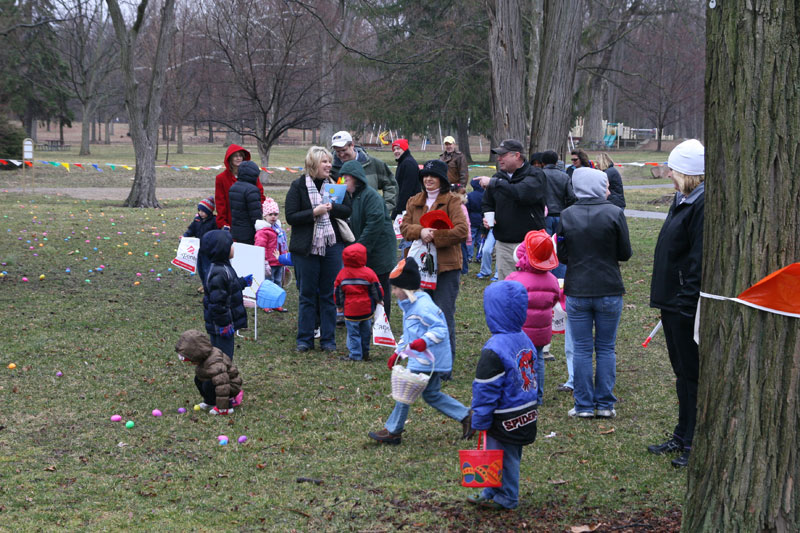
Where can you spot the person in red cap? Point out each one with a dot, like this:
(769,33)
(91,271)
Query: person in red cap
(536,257)
(407,175)
(234,156)
(445,226)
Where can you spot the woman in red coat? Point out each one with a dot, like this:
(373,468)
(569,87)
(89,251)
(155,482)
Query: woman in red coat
(234,156)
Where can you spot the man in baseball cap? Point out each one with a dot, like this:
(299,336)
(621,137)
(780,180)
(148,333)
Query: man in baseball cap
(457,170)
(377,172)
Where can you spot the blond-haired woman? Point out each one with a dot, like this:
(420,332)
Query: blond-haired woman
(606,164)
(675,288)
(316,246)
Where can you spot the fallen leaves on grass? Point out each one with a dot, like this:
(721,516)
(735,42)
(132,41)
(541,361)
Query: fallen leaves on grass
(585,529)
(557,481)
(607,432)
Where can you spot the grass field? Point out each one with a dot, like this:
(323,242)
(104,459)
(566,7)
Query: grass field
(111,334)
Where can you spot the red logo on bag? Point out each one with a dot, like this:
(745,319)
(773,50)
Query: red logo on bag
(525,360)
(190,249)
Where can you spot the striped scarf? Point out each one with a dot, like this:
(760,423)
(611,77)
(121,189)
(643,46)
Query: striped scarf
(324,235)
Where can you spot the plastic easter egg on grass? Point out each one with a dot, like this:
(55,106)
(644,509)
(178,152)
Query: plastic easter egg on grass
(197,407)
(24,279)
(41,277)
(223,440)
(116,418)
(156,412)
(129,424)
(181,410)
(242,439)
(12,366)
(59,374)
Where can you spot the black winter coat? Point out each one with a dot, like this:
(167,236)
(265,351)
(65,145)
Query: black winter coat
(518,202)
(200,226)
(408,182)
(222,299)
(300,215)
(559,190)
(678,259)
(244,200)
(595,237)
(617,196)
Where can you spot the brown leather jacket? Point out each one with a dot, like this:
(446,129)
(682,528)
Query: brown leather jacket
(457,169)
(447,241)
(212,365)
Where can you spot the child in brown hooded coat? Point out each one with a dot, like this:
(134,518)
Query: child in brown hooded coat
(216,377)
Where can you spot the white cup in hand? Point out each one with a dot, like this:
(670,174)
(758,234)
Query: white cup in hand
(489,217)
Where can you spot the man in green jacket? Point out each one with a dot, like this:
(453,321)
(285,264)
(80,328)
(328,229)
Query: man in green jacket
(371,226)
(377,173)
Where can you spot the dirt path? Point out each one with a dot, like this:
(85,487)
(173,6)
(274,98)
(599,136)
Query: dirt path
(121,193)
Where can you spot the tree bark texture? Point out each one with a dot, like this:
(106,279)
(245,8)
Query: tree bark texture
(745,461)
(554,89)
(462,132)
(507,75)
(86,114)
(534,60)
(143,106)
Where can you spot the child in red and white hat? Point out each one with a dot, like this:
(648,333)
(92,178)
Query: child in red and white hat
(271,236)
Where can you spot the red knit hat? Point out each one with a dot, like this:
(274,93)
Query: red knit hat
(402,143)
(540,249)
(436,219)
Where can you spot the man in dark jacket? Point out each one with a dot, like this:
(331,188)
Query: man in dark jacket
(371,227)
(244,200)
(559,197)
(516,195)
(378,175)
(457,169)
(407,175)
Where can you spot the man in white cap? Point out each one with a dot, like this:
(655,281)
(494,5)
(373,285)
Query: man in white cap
(379,177)
(457,170)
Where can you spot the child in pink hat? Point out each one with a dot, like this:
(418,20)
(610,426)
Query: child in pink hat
(536,257)
(271,236)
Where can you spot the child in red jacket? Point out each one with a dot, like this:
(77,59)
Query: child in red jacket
(357,291)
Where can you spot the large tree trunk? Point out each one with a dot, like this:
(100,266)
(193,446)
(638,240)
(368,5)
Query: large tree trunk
(507,69)
(86,112)
(745,461)
(554,88)
(534,60)
(144,112)
(593,126)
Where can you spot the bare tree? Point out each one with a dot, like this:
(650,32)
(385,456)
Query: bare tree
(87,45)
(143,99)
(744,462)
(270,59)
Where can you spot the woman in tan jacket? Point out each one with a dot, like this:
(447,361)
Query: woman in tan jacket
(436,195)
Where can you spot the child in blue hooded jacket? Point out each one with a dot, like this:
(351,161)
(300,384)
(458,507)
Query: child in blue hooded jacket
(223,305)
(424,327)
(504,393)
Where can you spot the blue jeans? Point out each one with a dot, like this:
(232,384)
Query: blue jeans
(550,225)
(359,336)
(506,495)
(474,249)
(465,257)
(316,274)
(434,397)
(539,369)
(277,275)
(486,260)
(593,322)
(569,350)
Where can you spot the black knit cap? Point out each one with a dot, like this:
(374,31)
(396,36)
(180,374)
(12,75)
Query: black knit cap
(437,168)
(406,275)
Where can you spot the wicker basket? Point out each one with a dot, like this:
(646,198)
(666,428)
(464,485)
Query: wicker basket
(407,386)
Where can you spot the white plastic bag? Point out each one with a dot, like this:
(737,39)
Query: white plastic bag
(186,258)
(419,251)
(559,318)
(381,330)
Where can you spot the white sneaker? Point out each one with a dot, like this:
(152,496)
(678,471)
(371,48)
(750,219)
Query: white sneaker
(583,414)
(606,413)
(316,333)
(204,406)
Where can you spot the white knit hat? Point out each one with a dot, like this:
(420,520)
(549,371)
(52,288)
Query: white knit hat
(688,158)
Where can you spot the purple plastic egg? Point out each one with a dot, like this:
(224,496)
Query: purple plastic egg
(242,439)
(181,410)
(116,418)
(156,412)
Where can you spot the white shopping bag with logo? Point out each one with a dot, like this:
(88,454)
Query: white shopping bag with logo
(396,225)
(381,330)
(186,258)
(425,256)
(559,318)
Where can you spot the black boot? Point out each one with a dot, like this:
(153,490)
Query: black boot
(682,460)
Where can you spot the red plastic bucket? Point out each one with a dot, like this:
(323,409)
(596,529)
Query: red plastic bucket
(481,467)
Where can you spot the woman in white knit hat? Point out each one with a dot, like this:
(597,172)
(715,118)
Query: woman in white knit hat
(675,288)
